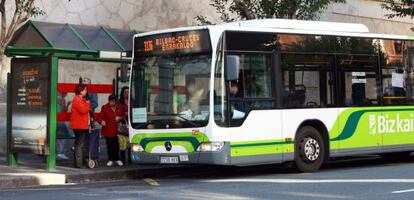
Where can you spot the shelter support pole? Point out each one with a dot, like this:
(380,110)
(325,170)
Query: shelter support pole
(11,157)
(115,86)
(51,158)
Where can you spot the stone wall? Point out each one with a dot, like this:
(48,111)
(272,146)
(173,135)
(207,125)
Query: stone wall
(142,15)
(147,15)
(369,13)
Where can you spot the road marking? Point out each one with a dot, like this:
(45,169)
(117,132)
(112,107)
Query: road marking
(315,195)
(191,194)
(151,181)
(402,191)
(41,189)
(312,181)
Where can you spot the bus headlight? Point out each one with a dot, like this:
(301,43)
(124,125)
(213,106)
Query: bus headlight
(137,148)
(210,146)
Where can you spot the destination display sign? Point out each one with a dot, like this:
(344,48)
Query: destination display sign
(30,83)
(173,43)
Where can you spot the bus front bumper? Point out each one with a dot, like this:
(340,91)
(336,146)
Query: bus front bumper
(221,157)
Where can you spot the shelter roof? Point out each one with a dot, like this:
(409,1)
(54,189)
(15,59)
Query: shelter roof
(37,36)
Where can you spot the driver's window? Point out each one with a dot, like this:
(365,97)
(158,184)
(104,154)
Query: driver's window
(253,90)
(256,76)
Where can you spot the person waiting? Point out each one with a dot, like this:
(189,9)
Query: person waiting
(107,119)
(79,121)
(122,118)
(94,132)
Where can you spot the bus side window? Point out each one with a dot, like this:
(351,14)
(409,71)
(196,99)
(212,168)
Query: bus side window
(295,96)
(397,72)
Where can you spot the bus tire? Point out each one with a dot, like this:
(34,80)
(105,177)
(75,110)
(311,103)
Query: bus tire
(309,149)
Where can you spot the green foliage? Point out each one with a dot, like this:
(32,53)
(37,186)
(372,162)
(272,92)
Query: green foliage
(26,7)
(221,8)
(232,10)
(400,8)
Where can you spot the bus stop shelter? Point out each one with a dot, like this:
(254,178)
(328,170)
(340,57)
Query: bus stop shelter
(32,87)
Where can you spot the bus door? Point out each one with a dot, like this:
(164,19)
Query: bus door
(358,96)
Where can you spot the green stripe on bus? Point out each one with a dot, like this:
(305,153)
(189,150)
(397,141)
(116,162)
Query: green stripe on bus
(262,147)
(353,121)
(259,143)
(351,124)
(194,142)
(145,139)
(188,146)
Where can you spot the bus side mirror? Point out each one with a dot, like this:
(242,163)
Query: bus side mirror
(232,67)
(124,72)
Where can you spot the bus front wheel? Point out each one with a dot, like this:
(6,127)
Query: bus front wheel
(309,149)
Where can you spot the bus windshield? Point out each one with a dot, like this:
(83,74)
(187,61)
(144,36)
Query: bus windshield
(170,80)
(170,91)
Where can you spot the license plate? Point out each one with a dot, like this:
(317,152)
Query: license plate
(183,158)
(169,160)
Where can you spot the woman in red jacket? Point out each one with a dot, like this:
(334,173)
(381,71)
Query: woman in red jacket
(79,121)
(109,129)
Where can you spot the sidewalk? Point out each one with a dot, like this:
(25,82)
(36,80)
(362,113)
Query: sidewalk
(31,171)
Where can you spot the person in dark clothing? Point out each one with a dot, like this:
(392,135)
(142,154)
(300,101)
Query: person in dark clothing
(107,119)
(79,120)
(235,95)
(236,104)
(94,133)
(123,118)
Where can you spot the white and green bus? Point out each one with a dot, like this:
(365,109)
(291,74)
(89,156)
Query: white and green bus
(270,91)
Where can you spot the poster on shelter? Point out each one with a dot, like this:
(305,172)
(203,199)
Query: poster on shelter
(30,87)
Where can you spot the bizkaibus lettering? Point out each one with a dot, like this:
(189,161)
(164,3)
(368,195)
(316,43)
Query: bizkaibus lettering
(380,124)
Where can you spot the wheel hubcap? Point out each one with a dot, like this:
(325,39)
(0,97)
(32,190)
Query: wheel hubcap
(311,149)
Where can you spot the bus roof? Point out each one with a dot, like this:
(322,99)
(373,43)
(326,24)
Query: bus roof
(302,25)
(290,27)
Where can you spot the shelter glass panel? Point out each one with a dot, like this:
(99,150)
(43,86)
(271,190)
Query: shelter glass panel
(97,38)
(60,35)
(28,37)
(123,37)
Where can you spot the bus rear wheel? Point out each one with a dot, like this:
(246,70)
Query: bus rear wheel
(309,149)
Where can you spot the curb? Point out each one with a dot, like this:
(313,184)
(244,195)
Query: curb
(18,180)
(136,173)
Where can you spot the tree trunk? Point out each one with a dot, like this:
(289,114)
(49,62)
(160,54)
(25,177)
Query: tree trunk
(4,68)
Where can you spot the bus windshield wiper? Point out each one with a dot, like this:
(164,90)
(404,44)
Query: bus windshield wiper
(180,116)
